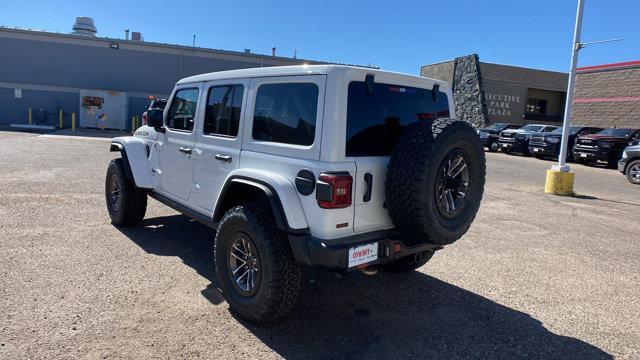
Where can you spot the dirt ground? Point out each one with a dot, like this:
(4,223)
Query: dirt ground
(537,276)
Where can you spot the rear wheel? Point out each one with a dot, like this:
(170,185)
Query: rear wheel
(257,272)
(126,203)
(633,172)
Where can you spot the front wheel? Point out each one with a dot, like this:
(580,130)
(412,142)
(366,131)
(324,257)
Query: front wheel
(493,147)
(633,172)
(257,272)
(126,203)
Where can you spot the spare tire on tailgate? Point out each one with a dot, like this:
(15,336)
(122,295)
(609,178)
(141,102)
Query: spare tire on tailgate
(435,180)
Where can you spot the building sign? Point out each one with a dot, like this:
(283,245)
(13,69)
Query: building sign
(501,104)
(17,93)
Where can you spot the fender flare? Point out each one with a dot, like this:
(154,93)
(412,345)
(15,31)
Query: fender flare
(134,152)
(289,219)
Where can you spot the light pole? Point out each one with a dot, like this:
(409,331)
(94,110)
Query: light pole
(562,166)
(559,179)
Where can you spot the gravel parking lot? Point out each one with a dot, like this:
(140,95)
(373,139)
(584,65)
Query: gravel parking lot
(537,276)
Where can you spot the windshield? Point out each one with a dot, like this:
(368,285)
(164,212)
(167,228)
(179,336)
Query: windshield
(572,130)
(616,132)
(548,129)
(497,127)
(532,127)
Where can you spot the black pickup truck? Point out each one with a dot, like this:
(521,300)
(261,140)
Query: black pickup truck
(490,134)
(517,140)
(605,146)
(548,144)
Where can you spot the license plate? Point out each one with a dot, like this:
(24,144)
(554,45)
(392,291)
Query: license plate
(536,149)
(505,145)
(583,155)
(363,254)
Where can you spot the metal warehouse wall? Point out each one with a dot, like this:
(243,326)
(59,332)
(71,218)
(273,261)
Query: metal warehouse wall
(50,69)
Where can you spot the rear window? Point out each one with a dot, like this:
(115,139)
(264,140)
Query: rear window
(376,121)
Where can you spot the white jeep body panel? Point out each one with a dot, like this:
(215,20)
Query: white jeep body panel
(196,180)
(140,163)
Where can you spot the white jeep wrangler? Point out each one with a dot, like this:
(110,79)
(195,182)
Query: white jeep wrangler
(331,166)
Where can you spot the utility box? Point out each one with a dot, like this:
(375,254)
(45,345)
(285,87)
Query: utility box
(103,109)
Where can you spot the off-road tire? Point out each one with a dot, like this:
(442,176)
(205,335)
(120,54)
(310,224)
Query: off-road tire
(132,203)
(407,263)
(411,180)
(627,172)
(280,281)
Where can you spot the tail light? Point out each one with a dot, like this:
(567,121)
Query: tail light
(333,190)
(144,118)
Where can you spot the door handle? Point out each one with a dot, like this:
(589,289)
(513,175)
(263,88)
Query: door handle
(225,158)
(185,150)
(368,179)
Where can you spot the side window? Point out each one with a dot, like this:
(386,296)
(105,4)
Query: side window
(636,135)
(222,116)
(286,113)
(183,110)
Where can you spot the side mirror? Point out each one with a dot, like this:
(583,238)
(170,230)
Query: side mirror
(155,118)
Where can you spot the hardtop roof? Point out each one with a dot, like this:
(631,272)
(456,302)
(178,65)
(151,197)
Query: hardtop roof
(291,71)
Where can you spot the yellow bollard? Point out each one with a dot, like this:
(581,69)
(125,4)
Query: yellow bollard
(559,183)
(30,117)
(133,124)
(73,122)
(60,119)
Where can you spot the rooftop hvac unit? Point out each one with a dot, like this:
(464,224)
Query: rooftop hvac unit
(84,26)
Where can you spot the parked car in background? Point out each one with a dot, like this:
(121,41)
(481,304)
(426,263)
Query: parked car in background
(517,140)
(154,105)
(490,134)
(605,146)
(548,144)
(630,162)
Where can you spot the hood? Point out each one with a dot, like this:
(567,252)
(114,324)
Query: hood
(520,131)
(604,137)
(488,131)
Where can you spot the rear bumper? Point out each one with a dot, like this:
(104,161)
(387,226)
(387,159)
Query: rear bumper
(333,254)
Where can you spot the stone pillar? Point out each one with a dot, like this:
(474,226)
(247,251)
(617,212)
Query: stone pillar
(468,95)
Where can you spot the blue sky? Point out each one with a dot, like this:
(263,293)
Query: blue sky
(395,35)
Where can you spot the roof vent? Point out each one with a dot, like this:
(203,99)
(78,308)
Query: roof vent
(84,26)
